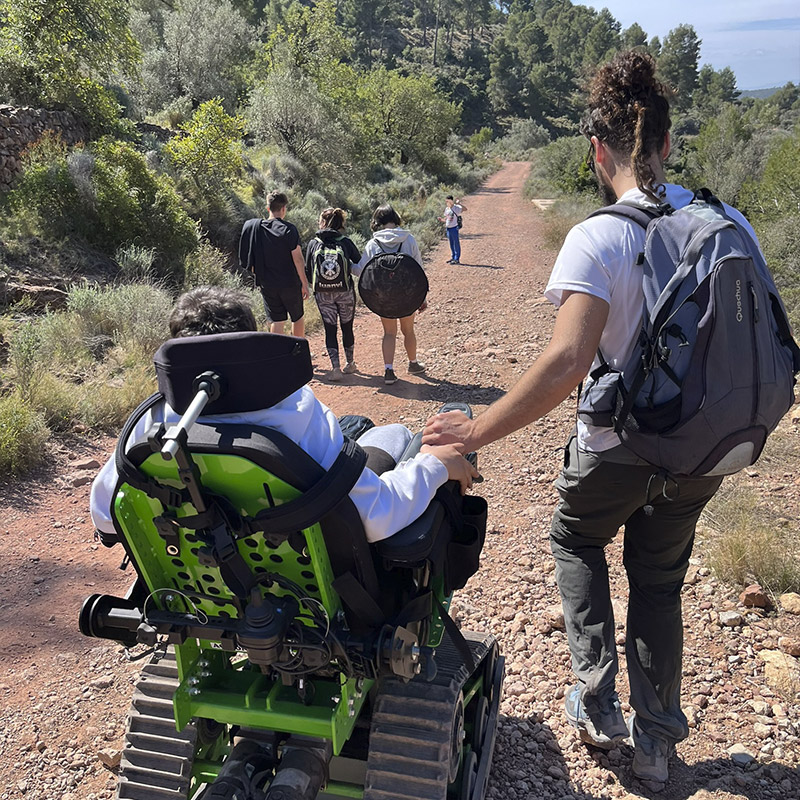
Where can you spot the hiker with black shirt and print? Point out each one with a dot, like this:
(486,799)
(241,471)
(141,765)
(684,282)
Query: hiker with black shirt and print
(656,292)
(329,258)
(388,236)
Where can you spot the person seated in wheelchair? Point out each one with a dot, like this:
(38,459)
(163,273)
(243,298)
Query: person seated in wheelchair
(386,502)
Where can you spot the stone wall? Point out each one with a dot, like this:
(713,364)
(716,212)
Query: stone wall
(20,127)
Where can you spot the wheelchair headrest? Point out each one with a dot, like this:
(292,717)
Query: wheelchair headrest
(257,369)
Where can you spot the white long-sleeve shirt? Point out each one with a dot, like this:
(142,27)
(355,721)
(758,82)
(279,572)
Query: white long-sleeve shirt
(386,503)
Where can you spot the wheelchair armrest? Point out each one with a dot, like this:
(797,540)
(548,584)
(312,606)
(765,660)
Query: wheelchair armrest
(413,544)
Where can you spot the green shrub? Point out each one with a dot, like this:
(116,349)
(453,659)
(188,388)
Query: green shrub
(560,169)
(23,435)
(562,216)
(107,401)
(778,239)
(208,266)
(210,151)
(106,195)
(58,400)
(24,356)
(135,263)
(130,313)
(524,136)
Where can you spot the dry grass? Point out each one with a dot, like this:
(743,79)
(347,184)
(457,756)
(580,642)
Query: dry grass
(748,536)
(564,215)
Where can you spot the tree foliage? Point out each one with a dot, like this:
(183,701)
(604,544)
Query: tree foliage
(405,116)
(60,53)
(210,151)
(678,63)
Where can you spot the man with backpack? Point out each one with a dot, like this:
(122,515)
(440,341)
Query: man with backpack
(666,314)
(270,249)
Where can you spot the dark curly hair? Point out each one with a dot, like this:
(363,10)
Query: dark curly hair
(628,109)
(211,309)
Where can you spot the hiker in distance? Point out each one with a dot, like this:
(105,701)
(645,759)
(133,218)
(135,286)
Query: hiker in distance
(597,284)
(452,223)
(270,249)
(389,237)
(329,259)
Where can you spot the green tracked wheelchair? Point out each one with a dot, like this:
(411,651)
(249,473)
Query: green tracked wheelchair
(291,659)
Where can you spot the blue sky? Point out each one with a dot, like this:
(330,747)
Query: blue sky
(759,41)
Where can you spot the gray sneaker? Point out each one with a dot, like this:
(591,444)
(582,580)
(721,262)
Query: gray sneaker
(599,728)
(650,755)
(349,368)
(416,367)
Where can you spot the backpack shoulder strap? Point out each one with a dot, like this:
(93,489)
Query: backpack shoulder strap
(641,215)
(319,500)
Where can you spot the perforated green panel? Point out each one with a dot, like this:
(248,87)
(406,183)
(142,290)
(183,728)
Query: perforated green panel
(249,488)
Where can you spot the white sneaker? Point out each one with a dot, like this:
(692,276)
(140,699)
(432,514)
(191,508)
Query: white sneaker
(349,368)
(335,375)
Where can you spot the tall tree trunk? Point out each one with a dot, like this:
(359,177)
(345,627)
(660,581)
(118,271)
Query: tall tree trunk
(436,30)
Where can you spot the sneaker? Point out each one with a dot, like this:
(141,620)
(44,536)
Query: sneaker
(600,728)
(389,377)
(416,367)
(449,261)
(349,368)
(455,261)
(650,755)
(335,375)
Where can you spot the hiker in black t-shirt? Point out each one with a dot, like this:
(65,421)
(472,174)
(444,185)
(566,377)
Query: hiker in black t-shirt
(329,257)
(270,249)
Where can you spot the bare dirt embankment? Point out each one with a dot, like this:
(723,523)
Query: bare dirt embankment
(64,698)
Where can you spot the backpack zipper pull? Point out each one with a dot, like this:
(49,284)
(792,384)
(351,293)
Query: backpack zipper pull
(755,302)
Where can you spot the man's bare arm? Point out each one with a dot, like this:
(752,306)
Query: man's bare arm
(300,266)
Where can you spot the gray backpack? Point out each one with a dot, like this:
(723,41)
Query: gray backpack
(713,369)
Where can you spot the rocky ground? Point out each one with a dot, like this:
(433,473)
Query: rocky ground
(64,698)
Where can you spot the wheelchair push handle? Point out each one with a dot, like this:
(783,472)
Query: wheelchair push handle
(208,387)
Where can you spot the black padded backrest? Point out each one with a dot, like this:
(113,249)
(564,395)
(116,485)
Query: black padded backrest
(345,540)
(257,369)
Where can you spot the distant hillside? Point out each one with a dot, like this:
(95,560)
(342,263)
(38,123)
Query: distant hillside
(759,94)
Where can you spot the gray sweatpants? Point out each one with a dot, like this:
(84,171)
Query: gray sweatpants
(599,494)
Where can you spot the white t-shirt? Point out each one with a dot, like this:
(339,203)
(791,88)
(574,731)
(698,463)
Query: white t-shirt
(598,257)
(386,503)
(451,215)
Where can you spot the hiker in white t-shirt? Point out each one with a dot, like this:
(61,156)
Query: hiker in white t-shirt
(597,287)
(452,213)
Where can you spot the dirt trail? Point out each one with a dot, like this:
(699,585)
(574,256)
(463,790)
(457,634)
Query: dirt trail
(64,697)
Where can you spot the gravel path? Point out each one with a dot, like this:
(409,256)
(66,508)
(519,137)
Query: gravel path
(64,697)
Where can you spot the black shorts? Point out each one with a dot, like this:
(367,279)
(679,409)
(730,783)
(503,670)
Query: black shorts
(282,301)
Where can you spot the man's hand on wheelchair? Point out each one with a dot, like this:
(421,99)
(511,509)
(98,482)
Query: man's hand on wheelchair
(458,468)
(452,427)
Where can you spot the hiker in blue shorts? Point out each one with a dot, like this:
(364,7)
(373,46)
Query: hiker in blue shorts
(596,283)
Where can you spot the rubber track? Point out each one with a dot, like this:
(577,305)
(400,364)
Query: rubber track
(410,736)
(156,760)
